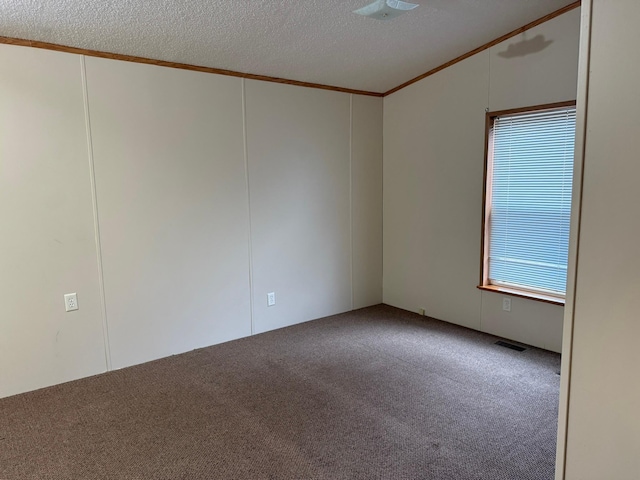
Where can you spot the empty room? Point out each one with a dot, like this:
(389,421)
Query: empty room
(341,239)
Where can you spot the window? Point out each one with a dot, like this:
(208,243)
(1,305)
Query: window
(528,201)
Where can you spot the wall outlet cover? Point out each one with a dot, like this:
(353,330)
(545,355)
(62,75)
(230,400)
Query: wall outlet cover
(70,302)
(506,304)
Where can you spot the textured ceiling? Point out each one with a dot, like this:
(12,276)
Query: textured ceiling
(317,41)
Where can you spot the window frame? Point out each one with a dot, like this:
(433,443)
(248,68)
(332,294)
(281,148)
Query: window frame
(486,189)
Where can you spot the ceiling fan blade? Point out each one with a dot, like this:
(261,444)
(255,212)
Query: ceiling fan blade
(385,9)
(400,5)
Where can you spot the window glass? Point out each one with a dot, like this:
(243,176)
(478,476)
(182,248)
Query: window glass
(529,199)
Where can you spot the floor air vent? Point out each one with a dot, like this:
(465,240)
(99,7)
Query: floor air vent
(511,346)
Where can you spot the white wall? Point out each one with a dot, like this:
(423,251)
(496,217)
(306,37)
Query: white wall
(47,245)
(366,200)
(434,134)
(300,193)
(432,196)
(315,184)
(171,153)
(168,150)
(603,430)
(548,76)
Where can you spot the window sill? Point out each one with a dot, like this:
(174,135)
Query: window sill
(539,297)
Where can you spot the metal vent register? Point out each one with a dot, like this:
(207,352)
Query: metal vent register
(511,346)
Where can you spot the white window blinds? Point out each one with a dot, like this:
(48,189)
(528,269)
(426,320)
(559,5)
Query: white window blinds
(530,203)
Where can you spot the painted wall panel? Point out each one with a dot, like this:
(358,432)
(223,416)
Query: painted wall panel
(366,194)
(536,323)
(173,209)
(433,157)
(298,150)
(603,431)
(538,66)
(47,245)
(433,164)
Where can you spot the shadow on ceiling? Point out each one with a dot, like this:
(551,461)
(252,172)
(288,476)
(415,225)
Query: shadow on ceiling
(526,47)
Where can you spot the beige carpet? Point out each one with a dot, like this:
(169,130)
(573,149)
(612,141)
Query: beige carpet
(378,393)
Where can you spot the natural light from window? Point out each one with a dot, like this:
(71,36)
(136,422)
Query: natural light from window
(528,200)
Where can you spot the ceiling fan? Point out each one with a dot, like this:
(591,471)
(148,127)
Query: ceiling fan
(385,9)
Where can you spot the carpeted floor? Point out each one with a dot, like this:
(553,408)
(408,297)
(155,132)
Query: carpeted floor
(378,393)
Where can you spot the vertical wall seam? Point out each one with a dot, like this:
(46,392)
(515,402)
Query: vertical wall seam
(351,194)
(96,224)
(246,176)
(382,205)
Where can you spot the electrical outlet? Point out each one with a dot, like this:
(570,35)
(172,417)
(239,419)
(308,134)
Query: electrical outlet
(506,304)
(70,302)
(271,299)
(421,311)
